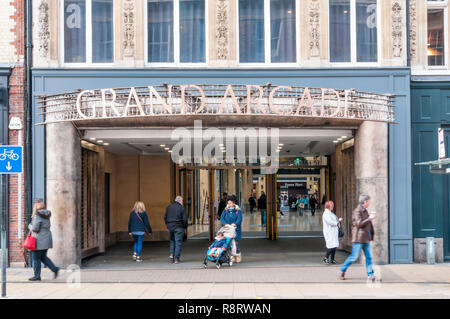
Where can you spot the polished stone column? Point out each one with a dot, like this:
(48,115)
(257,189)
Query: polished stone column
(63,184)
(371,170)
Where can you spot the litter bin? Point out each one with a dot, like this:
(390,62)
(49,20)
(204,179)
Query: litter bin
(431,251)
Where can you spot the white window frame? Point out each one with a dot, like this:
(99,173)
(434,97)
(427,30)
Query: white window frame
(88,62)
(353,40)
(176,40)
(440,5)
(267,40)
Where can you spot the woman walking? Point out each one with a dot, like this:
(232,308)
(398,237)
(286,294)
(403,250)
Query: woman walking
(330,232)
(232,216)
(138,224)
(40,226)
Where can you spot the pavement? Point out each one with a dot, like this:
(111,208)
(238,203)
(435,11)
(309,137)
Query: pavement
(268,271)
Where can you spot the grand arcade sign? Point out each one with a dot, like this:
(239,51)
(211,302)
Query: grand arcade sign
(216,100)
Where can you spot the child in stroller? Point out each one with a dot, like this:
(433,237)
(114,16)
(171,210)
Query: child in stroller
(219,251)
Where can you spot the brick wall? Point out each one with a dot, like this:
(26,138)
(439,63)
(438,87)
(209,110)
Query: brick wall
(17,100)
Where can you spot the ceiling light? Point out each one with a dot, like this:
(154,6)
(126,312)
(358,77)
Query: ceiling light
(163,145)
(92,138)
(170,151)
(343,136)
(335,142)
(166,148)
(106,144)
(100,141)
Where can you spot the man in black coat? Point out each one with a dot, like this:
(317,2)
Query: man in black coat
(222,205)
(176,222)
(262,206)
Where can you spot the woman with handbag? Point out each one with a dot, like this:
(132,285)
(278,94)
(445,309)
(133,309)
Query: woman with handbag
(138,224)
(331,225)
(40,230)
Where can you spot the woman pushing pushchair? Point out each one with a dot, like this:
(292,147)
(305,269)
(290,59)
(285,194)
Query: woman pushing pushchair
(219,251)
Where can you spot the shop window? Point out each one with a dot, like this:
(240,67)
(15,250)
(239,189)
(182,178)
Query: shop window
(88,31)
(176,31)
(353,31)
(267,31)
(437,33)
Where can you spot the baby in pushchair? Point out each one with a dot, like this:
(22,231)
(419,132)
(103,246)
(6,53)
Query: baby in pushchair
(219,251)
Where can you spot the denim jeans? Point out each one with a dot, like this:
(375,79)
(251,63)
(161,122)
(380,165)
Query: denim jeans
(138,241)
(263,216)
(39,256)
(176,240)
(356,250)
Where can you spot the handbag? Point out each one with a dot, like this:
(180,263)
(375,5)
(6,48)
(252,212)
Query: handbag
(341,231)
(30,242)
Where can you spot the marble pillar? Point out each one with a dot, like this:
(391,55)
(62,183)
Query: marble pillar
(63,184)
(371,170)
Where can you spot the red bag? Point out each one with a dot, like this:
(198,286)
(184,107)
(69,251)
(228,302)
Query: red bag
(30,242)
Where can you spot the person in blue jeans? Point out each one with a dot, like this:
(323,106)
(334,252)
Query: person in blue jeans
(362,235)
(176,222)
(137,225)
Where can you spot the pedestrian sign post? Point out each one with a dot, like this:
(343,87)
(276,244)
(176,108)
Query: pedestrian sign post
(10,163)
(11,159)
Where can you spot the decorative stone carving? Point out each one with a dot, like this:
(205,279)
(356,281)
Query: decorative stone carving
(222,32)
(397,30)
(314,28)
(413,29)
(44,30)
(128,28)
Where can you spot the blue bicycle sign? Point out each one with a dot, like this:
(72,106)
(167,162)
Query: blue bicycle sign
(11,159)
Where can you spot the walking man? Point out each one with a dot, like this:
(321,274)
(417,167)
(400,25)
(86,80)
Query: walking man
(176,222)
(262,206)
(362,235)
(222,205)
(312,204)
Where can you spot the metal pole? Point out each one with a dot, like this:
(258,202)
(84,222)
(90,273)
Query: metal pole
(3,232)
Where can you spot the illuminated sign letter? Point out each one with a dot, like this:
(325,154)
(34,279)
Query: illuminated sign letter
(79,104)
(167,106)
(258,100)
(134,95)
(111,104)
(233,99)
(183,98)
(271,105)
(302,101)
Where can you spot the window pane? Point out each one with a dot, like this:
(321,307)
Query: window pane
(282,30)
(251,31)
(74,31)
(102,31)
(436,37)
(340,47)
(366,30)
(160,30)
(192,31)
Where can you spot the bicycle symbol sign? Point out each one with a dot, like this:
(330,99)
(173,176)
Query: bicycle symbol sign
(11,159)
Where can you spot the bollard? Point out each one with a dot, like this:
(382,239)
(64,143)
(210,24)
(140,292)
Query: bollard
(431,251)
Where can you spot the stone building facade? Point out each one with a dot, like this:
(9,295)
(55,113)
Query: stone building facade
(370,45)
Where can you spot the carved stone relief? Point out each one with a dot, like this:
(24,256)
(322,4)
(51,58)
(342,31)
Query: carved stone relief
(413,29)
(128,28)
(314,28)
(222,32)
(44,30)
(397,30)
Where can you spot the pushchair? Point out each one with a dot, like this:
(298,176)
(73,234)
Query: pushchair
(229,233)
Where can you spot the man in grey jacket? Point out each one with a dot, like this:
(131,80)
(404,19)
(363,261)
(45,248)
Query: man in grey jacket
(40,228)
